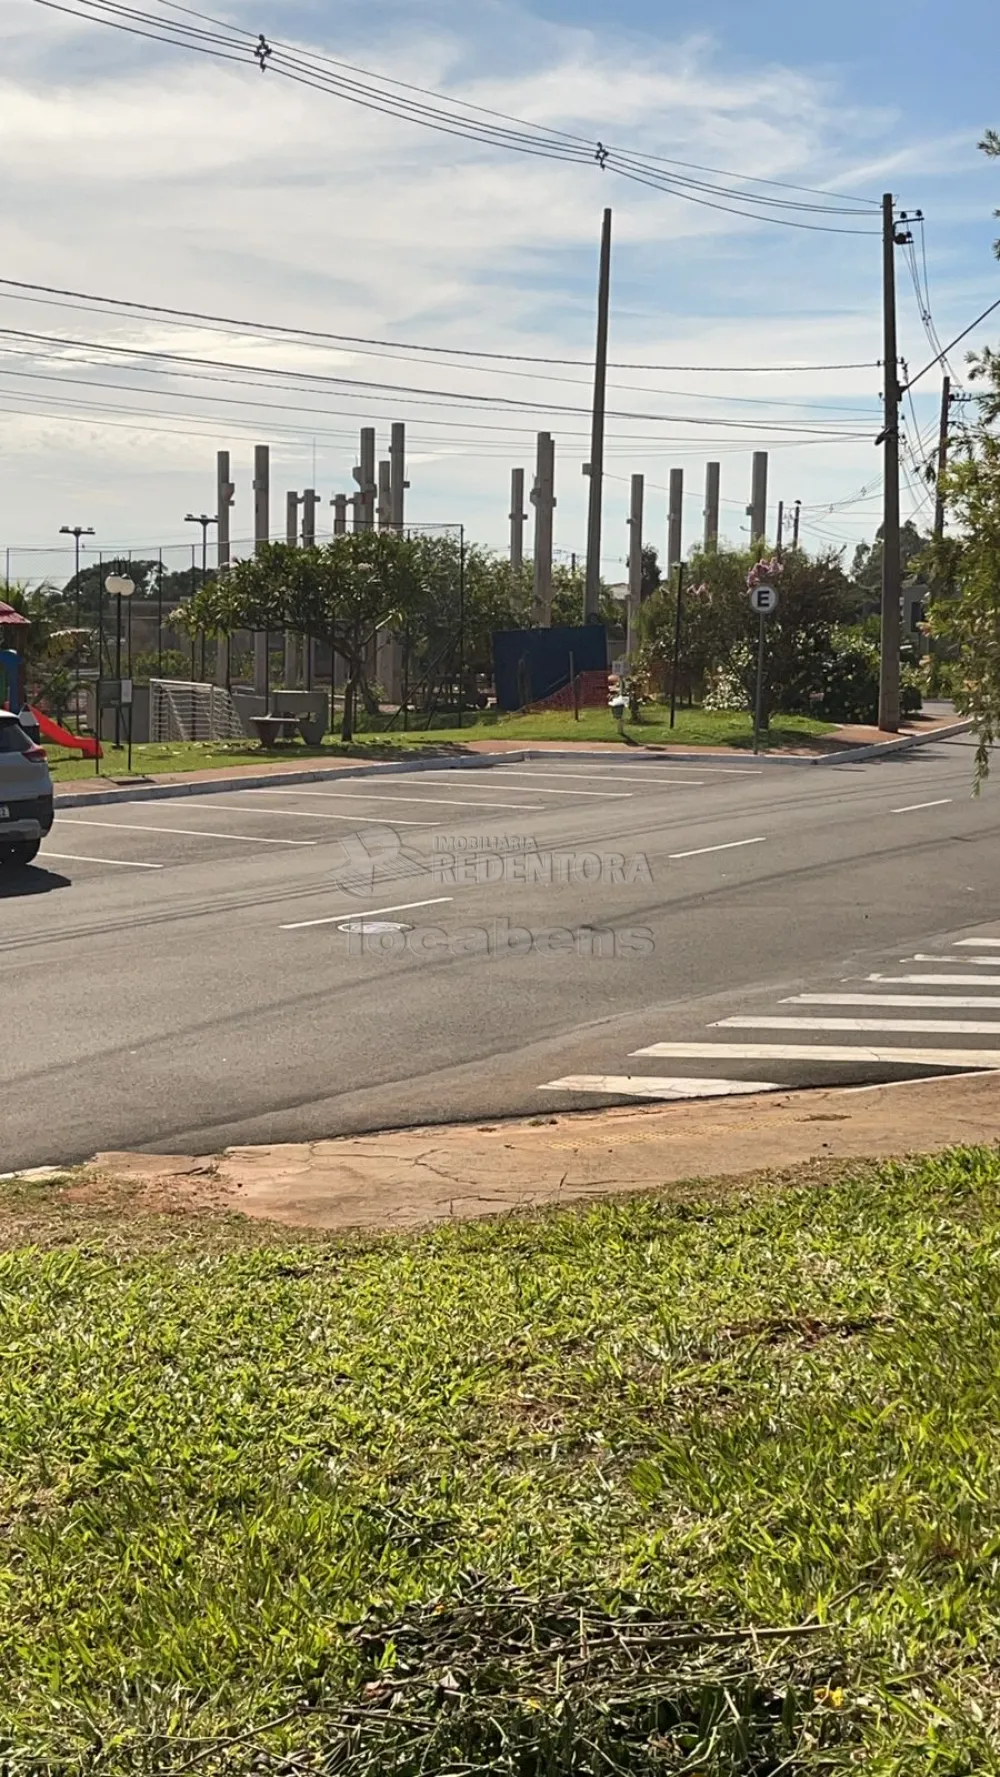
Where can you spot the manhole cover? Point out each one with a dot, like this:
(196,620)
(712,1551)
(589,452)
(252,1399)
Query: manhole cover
(366,927)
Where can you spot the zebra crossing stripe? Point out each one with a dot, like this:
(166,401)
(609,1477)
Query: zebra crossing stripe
(925,1027)
(650,1086)
(983,1060)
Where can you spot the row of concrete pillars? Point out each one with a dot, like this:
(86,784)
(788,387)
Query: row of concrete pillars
(544,502)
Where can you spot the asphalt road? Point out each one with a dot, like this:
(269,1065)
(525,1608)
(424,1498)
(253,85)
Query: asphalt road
(176,974)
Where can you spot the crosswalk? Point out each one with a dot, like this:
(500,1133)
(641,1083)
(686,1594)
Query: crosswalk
(863,1029)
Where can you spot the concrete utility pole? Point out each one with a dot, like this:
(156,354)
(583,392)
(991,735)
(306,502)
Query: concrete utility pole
(595,468)
(292,669)
(713,475)
(543,500)
(634,564)
(517,518)
(781,525)
(398,481)
(757,509)
(261,535)
(795,524)
(675,520)
(888,697)
(310,500)
(942,460)
(384,494)
(339,504)
(364,475)
(225,493)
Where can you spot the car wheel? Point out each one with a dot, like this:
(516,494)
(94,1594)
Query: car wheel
(23,852)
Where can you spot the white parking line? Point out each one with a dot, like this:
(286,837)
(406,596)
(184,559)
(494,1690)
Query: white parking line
(66,820)
(650,1086)
(67,857)
(348,913)
(704,850)
(978,943)
(924,1027)
(587,777)
(304,814)
(373,796)
(987,1059)
(915,807)
(947,1002)
(536,790)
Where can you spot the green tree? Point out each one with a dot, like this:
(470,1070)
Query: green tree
(866,568)
(990,145)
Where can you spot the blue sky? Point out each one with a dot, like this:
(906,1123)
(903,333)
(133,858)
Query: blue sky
(169,178)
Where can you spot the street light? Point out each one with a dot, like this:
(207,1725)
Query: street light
(76,531)
(120,586)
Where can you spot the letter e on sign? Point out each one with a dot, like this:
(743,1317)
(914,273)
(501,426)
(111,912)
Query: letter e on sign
(763,600)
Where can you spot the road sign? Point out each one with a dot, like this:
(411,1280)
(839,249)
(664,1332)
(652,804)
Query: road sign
(763,600)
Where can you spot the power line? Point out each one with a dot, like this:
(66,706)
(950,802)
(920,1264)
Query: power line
(278,329)
(956,341)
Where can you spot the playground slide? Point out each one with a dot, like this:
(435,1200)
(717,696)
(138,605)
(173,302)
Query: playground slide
(86,744)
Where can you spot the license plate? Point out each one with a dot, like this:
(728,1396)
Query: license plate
(4,812)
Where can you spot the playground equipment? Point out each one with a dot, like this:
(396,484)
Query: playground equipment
(12,698)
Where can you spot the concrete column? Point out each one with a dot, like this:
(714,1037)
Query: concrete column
(517,518)
(261,534)
(310,500)
(339,504)
(384,494)
(634,564)
(675,520)
(712,478)
(397,474)
(543,500)
(757,509)
(224,496)
(364,475)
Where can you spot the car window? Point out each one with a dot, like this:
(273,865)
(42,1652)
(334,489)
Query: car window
(13,738)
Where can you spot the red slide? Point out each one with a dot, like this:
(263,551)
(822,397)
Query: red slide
(82,743)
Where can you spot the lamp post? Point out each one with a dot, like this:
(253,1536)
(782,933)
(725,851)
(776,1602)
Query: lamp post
(76,531)
(120,586)
(204,520)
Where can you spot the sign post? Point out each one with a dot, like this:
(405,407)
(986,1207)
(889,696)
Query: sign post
(763,600)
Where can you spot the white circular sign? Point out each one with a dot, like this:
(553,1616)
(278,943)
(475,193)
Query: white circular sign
(763,600)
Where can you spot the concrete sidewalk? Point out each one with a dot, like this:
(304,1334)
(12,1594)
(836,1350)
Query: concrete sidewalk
(415,1178)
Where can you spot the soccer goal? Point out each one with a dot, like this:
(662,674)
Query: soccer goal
(179,710)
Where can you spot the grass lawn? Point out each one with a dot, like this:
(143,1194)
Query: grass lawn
(694,728)
(702,1484)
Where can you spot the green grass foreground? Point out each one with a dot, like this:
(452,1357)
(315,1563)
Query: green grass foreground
(694,728)
(701,1484)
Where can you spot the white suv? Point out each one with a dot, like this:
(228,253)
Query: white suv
(25,793)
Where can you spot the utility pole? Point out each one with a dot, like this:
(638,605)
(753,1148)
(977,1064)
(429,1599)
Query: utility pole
(757,509)
(339,504)
(364,475)
(675,520)
(310,500)
(384,494)
(261,534)
(634,564)
(76,531)
(517,518)
(292,520)
(942,462)
(543,500)
(203,519)
(293,501)
(712,479)
(397,474)
(795,524)
(888,697)
(225,493)
(781,525)
(595,468)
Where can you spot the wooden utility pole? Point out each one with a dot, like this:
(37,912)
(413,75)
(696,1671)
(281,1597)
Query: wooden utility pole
(595,468)
(888,698)
(942,462)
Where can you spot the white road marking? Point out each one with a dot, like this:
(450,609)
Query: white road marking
(987,1059)
(704,850)
(536,790)
(66,820)
(924,1027)
(304,814)
(377,796)
(934,980)
(587,777)
(956,1002)
(66,857)
(963,962)
(649,1086)
(915,807)
(348,913)
(978,943)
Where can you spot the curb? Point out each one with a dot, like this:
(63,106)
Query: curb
(278,779)
(488,761)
